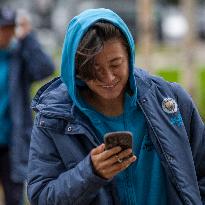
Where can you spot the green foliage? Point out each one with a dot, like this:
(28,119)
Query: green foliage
(201,91)
(171,74)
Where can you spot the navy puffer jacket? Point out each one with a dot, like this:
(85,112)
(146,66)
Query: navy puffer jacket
(60,169)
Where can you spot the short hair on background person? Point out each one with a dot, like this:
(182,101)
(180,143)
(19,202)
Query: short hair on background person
(23,14)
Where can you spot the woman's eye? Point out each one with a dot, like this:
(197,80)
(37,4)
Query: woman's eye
(115,65)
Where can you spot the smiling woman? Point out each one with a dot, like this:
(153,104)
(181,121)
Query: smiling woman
(106,92)
(100,92)
(102,61)
(111,68)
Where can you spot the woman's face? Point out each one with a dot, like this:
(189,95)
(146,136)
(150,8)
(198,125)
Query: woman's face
(112,70)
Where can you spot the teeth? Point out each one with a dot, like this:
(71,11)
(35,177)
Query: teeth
(108,86)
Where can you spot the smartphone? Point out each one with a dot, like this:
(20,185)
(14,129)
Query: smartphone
(119,138)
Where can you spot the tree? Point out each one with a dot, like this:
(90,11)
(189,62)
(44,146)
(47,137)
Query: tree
(145,29)
(190,72)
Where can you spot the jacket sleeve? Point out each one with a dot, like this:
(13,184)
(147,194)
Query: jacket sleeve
(37,63)
(49,182)
(196,131)
(197,139)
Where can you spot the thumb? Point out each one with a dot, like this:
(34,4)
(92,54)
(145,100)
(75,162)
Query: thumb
(98,149)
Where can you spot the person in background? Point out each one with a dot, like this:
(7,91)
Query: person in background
(22,62)
(23,24)
(100,91)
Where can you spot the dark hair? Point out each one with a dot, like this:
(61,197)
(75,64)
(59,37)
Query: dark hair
(91,44)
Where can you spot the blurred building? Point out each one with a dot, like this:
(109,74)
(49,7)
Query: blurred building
(50,17)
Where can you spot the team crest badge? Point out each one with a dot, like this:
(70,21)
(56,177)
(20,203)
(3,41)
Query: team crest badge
(169,105)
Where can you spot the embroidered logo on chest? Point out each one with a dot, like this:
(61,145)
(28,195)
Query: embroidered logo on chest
(169,105)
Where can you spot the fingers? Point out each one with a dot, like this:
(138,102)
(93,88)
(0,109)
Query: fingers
(109,153)
(124,154)
(99,156)
(104,154)
(117,167)
(108,163)
(98,149)
(116,158)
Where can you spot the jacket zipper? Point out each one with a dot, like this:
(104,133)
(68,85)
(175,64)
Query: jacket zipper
(164,155)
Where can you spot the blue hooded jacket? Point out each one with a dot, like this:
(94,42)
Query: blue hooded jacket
(75,31)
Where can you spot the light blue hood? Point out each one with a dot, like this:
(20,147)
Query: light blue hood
(75,31)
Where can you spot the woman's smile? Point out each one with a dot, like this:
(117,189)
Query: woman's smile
(112,85)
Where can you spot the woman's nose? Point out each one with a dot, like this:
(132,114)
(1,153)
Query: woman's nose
(108,76)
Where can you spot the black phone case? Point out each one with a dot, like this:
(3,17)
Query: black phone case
(121,138)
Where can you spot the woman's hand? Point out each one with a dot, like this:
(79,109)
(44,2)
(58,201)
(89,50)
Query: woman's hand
(108,163)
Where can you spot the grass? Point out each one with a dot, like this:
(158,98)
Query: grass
(172,74)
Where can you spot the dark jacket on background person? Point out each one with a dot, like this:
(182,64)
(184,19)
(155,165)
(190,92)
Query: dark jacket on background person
(60,168)
(27,63)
